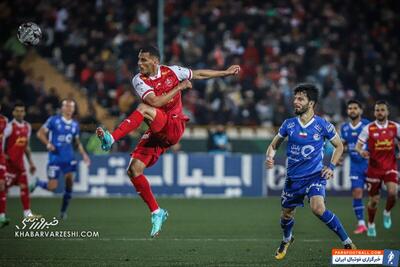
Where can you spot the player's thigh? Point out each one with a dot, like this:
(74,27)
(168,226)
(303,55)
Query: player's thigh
(293,194)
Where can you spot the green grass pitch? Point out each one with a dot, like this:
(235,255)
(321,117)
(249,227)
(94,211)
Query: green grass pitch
(199,232)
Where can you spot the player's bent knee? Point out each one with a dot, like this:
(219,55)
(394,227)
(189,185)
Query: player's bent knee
(135,169)
(52,185)
(318,209)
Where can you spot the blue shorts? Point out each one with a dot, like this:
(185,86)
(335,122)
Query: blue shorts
(357,179)
(54,170)
(295,190)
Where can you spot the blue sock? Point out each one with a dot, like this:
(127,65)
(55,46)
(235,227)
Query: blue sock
(41,184)
(287,226)
(358,208)
(333,222)
(66,199)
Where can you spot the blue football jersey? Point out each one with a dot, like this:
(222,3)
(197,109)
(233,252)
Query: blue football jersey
(349,134)
(305,148)
(62,134)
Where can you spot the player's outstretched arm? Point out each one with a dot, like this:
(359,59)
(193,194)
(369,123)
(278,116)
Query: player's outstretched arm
(207,74)
(271,151)
(161,100)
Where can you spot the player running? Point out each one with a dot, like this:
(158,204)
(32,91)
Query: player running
(379,136)
(160,88)
(60,133)
(306,175)
(349,133)
(16,136)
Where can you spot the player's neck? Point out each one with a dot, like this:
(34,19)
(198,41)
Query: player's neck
(355,122)
(154,72)
(306,117)
(382,123)
(66,117)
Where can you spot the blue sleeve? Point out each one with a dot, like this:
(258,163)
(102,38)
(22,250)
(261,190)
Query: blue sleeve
(283,129)
(49,124)
(329,130)
(342,132)
(78,131)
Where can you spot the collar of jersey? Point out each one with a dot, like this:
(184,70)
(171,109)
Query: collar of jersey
(158,74)
(355,127)
(18,123)
(66,121)
(382,126)
(308,123)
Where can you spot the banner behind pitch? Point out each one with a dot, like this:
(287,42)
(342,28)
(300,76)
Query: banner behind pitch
(190,175)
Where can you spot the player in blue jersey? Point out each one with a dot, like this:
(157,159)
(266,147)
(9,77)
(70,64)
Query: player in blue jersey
(306,175)
(349,133)
(60,133)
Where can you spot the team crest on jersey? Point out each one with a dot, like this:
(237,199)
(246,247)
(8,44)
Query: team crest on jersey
(316,137)
(168,82)
(375,134)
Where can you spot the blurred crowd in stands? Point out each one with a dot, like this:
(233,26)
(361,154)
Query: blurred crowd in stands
(348,48)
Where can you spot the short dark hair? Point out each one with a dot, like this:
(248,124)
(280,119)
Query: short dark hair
(152,50)
(382,102)
(309,89)
(353,101)
(19,103)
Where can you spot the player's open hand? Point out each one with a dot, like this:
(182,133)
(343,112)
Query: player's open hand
(327,173)
(186,84)
(269,162)
(233,70)
(364,154)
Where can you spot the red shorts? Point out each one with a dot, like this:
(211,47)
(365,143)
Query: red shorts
(15,175)
(165,130)
(376,178)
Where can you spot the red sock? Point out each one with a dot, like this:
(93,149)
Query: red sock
(128,125)
(142,187)
(25,199)
(390,201)
(371,214)
(3,200)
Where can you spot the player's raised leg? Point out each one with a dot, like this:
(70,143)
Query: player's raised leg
(287,223)
(392,189)
(142,186)
(131,123)
(330,219)
(358,208)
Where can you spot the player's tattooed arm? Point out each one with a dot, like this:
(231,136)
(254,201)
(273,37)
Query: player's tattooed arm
(42,136)
(82,151)
(161,100)
(207,74)
(271,151)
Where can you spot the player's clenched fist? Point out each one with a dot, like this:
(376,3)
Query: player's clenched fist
(364,154)
(186,84)
(269,162)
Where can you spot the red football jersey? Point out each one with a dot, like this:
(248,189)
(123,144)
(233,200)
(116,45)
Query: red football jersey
(17,135)
(166,79)
(381,141)
(3,125)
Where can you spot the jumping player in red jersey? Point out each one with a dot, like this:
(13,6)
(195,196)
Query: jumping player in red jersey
(17,134)
(380,137)
(160,88)
(3,220)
